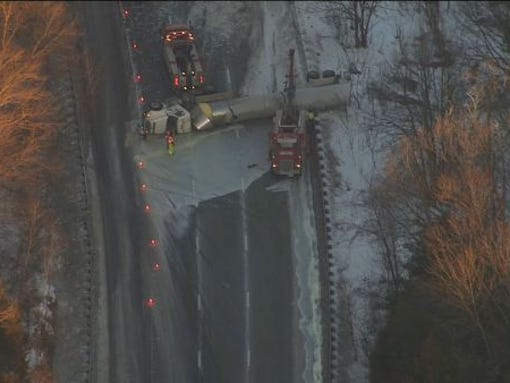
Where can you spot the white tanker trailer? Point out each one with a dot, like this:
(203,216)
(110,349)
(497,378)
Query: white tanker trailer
(204,115)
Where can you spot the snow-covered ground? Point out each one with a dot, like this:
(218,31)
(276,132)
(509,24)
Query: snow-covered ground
(190,177)
(350,163)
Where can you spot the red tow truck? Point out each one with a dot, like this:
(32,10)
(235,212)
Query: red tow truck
(288,143)
(288,140)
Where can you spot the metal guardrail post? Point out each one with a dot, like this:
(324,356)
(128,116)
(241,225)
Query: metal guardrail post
(320,222)
(90,367)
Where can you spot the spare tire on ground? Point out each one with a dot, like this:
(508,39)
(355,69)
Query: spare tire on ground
(312,75)
(328,73)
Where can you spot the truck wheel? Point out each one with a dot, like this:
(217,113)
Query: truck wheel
(312,75)
(156,105)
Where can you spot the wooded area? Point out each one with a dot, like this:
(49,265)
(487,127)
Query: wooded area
(440,208)
(36,42)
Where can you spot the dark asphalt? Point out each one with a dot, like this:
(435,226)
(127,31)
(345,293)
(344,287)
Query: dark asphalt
(271,270)
(221,251)
(220,229)
(144,23)
(114,174)
(174,332)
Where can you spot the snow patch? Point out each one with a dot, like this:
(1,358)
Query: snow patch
(307,271)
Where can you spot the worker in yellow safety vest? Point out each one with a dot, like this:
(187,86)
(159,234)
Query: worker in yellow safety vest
(310,122)
(170,142)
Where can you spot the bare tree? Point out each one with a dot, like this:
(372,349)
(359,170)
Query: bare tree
(29,36)
(27,117)
(37,41)
(11,20)
(43,29)
(42,240)
(359,14)
(486,24)
(485,28)
(9,313)
(384,228)
(451,200)
(10,377)
(423,81)
(12,329)
(443,192)
(42,373)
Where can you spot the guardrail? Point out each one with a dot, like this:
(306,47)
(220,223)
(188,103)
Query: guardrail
(323,227)
(324,250)
(89,290)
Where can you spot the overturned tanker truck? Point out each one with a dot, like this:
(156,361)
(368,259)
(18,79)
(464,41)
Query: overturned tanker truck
(216,110)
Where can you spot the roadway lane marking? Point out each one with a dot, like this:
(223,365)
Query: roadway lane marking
(229,79)
(246,281)
(197,248)
(199,298)
(193,190)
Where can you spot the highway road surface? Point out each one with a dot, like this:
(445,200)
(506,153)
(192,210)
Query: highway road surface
(225,291)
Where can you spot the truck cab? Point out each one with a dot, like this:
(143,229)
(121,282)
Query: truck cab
(163,117)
